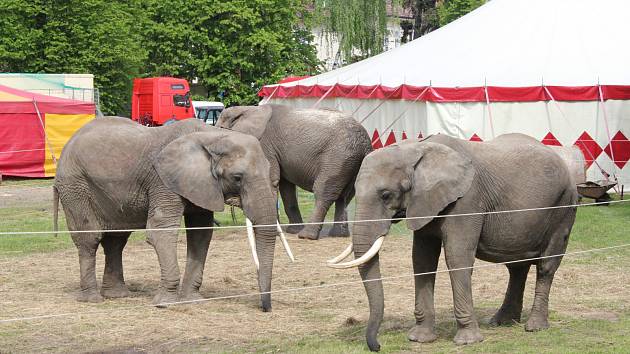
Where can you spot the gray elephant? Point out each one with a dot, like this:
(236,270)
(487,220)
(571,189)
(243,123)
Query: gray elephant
(575,160)
(115,174)
(447,176)
(319,150)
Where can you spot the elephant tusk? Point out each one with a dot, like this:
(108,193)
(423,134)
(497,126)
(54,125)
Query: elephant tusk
(284,242)
(342,256)
(363,259)
(252,241)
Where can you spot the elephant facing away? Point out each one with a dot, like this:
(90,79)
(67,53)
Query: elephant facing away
(444,176)
(318,150)
(115,174)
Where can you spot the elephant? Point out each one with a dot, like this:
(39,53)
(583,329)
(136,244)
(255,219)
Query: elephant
(319,150)
(575,160)
(114,174)
(444,176)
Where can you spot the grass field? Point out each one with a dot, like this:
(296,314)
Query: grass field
(589,305)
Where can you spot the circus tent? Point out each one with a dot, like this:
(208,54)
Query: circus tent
(556,70)
(34,128)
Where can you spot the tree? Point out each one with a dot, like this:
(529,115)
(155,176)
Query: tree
(231,47)
(360,26)
(75,36)
(21,25)
(425,17)
(450,10)
(101,37)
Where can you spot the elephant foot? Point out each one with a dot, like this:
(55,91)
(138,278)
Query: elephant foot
(504,318)
(192,296)
(536,323)
(163,298)
(339,232)
(309,234)
(89,296)
(468,336)
(422,334)
(115,292)
(293,229)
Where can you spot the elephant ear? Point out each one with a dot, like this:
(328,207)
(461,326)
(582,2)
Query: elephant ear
(250,120)
(441,175)
(186,166)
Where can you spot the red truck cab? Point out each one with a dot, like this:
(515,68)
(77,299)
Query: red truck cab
(157,100)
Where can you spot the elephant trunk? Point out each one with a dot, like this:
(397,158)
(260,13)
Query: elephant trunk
(262,211)
(363,239)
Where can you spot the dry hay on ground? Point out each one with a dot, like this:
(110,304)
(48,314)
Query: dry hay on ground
(45,283)
(42,284)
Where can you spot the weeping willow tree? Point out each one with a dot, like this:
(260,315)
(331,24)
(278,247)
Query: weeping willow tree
(359,26)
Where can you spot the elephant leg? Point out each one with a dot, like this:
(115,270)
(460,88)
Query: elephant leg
(165,244)
(87,245)
(113,279)
(326,190)
(426,252)
(510,311)
(341,228)
(545,271)
(197,243)
(291,208)
(319,213)
(460,245)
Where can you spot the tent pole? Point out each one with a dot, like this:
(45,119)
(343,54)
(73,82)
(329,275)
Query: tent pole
(41,122)
(266,99)
(405,111)
(612,153)
(379,105)
(485,87)
(363,101)
(324,95)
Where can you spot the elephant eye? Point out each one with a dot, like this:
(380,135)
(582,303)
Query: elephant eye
(385,195)
(237,177)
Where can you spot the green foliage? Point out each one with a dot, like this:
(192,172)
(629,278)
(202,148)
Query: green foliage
(21,29)
(100,37)
(425,17)
(451,10)
(360,26)
(75,36)
(230,46)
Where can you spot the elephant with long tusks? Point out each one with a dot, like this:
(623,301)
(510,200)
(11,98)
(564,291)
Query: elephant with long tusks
(115,174)
(421,179)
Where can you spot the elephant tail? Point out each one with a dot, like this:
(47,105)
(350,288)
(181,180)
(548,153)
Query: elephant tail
(55,211)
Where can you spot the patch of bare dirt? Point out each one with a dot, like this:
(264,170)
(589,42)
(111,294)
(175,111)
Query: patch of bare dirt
(25,196)
(37,285)
(44,284)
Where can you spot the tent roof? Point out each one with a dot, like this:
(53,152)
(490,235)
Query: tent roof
(18,101)
(513,47)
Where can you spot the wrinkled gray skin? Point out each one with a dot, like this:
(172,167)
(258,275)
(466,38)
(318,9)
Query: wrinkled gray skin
(117,174)
(443,175)
(318,150)
(574,158)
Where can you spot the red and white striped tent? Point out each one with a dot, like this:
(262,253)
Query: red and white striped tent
(558,70)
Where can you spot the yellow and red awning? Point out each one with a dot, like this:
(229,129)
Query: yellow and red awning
(34,129)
